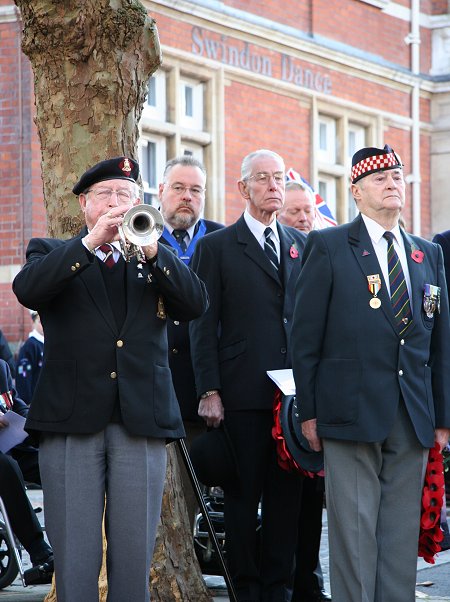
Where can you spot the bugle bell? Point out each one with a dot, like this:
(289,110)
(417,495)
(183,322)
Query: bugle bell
(142,225)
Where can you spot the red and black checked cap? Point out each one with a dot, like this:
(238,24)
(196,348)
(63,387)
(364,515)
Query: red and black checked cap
(118,168)
(369,160)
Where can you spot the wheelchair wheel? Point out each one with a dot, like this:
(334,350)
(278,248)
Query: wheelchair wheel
(8,564)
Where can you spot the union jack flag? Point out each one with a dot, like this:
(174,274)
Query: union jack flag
(324,217)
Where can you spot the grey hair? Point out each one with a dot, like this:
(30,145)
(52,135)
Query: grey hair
(186,161)
(246,166)
(299,186)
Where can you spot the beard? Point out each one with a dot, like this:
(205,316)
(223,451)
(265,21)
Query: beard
(182,220)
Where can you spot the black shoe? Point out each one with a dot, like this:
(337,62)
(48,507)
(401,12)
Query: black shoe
(41,573)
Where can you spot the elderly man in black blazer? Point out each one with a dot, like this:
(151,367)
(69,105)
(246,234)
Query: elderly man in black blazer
(250,269)
(372,369)
(105,404)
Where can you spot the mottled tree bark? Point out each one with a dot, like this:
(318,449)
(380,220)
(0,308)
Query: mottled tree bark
(91,62)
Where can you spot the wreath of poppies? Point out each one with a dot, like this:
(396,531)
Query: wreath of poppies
(433,493)
(285,459)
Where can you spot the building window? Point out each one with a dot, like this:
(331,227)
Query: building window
(155,107)
(152,160)
(327,140)
(327,190)
(192,101)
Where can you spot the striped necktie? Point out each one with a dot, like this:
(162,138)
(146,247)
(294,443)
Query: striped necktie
(108,250)
(399,291)
(269,248)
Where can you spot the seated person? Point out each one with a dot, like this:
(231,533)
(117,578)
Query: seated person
(22,517)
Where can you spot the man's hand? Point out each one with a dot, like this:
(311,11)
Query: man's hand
(442,436)
(106,228)
(211,409)
(151,251)
(309,430)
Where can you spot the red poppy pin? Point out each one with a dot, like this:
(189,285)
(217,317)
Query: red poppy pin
(416,254)
(293,251)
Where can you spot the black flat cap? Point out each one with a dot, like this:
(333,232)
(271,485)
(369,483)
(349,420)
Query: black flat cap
(119,168)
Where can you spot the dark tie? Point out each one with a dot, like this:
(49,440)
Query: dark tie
(108,250)
(179,236)
(269,248)
(399,291)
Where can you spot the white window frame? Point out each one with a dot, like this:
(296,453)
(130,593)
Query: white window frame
(152,187)
(194,121)
(360,138)
(157,111)
(327,154)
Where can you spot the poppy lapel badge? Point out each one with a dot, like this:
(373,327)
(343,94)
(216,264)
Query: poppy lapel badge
(416,254)
(293,251)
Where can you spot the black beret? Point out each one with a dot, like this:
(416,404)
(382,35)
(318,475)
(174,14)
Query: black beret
(369,160)
(119,168)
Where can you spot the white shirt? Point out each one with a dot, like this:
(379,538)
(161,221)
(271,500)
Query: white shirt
(117,252)
(257,229)
(380,244)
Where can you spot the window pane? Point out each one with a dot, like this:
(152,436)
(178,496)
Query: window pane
(151,98)
(323,136)
(149,164)
(188,99)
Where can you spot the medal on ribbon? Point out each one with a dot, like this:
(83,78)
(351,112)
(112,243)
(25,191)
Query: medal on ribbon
(374,283)
(431,299)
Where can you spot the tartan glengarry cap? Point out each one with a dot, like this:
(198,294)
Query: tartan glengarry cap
(118,168)
(369,160)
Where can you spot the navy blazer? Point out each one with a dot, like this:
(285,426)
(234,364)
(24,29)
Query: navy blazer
(350,365)
(6,384)
(180,360)
(443,239)
(246,329)
(89,362)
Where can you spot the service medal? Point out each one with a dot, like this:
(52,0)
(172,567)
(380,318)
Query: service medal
(374,283)
(431,299)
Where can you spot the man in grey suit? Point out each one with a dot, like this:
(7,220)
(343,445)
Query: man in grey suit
(246,332)
(104,405)
(372,367)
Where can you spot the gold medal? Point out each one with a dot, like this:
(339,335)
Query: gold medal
(375,303)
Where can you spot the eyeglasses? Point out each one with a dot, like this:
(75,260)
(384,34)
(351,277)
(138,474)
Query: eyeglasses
(264,178)
(195,191)
(104,194)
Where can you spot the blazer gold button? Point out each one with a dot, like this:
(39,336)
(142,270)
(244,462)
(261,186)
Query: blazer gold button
(400,372)
(77,265)
(175,351)
(113,374)
(176,323)
(119,343)
(73,268)
(402,342)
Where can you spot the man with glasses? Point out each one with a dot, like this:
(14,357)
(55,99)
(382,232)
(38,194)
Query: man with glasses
(182,200)
(250,269)
(105,405)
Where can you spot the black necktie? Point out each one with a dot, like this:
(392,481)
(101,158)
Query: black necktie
(269,248)
(179,236)
(399,291)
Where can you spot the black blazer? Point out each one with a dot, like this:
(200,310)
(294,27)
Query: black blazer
(246,330)
(6,384)
(88,362)
(443,240)
(180,360)
(350,365)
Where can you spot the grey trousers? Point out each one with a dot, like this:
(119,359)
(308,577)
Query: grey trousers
(373,493)
(78,473)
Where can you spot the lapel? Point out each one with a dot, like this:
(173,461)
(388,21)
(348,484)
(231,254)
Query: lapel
(417,275)
(253,250)
(287,262)
(362,248)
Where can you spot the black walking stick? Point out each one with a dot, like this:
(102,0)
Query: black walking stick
(204,510)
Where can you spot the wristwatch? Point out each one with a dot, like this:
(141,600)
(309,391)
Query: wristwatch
(208,394)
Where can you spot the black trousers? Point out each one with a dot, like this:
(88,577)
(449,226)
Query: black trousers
(261,562)
(23,518)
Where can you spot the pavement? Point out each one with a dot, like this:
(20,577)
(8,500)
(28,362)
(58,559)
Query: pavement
(433,581)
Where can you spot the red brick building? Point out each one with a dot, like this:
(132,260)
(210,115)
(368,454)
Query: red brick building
(312,80)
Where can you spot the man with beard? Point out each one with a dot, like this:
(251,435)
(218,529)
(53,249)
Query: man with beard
(182,199)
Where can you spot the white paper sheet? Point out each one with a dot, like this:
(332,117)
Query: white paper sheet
(284,379)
